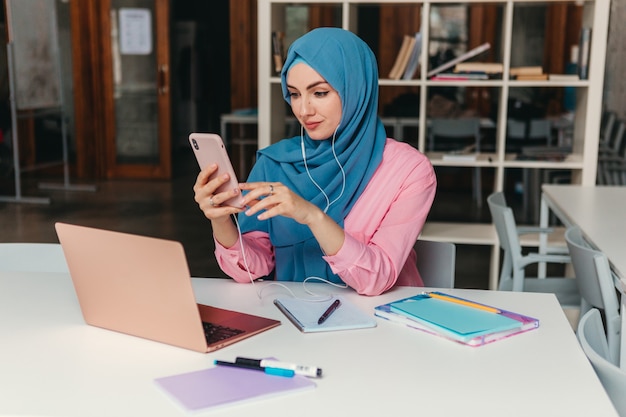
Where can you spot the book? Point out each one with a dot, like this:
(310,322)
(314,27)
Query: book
(222,386)
(304,314)
(563,77)
(460,76)
(459,323)
(531,77)
(402,58)
(278,53)
(583,53)
(484,67)
(414,59)
(529,70)
(464,57)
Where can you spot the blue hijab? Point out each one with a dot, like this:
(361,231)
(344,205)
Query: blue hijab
(349,66)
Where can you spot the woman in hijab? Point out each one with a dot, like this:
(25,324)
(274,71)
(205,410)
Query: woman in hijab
(340,201)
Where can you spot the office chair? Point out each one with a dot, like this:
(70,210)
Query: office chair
(454,132)
(436,263)
(595,283)
(612,157)
(592,339)
(32,257)
(514,264)
(534,132)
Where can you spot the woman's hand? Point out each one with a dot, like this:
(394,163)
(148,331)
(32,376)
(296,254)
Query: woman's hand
(208,200)
(278,200)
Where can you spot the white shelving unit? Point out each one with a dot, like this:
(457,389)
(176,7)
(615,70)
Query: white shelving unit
(586,119)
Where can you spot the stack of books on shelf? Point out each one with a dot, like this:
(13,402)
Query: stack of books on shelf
(407,60)
(457,319)
(461,58)
(530,73)
(472,71)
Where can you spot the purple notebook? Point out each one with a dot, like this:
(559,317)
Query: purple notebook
(223,385)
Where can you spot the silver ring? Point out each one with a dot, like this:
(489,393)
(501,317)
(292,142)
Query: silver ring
(271,189)
(211,202)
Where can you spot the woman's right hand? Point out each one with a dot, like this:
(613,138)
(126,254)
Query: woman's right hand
(208,200)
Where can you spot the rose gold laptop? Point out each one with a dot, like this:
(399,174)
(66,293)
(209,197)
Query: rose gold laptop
(141,286)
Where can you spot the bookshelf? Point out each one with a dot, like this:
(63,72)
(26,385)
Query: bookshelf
(583,121)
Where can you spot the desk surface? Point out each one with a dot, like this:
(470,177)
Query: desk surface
(52,364)
(600,213)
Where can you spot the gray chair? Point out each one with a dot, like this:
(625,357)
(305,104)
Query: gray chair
(592,339)
(32,257)
(514,262)
(450,133)
(595,283)
(436,263)
(534,132)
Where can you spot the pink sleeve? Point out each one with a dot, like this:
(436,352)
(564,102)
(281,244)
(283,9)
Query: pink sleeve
(380,235)
(259,257)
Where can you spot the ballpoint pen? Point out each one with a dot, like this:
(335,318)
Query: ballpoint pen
(330,310)
(310,371)
(256,367)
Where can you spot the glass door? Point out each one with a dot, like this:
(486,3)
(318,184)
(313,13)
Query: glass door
(138,141)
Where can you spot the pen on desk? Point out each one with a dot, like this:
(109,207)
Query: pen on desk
(330,310)
(268,370)
(304,370)
(457,300)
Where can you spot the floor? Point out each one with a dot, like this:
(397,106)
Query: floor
(166,209)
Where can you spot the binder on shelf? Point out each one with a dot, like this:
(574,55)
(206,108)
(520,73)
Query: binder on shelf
(456,319)
(222,386)
(464,57)
(414,59)
(402,58)
(583,51)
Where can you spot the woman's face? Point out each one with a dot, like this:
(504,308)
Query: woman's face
(314,102)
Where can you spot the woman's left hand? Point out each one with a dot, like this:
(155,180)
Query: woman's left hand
(278,200)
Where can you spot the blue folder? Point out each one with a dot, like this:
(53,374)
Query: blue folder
(458,319)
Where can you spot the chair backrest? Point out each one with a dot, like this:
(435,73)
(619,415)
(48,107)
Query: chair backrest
(592,339)
(32,257)
(606,125)
(595,283)
(506,228)
(454,129)
(436,263)
(533,129)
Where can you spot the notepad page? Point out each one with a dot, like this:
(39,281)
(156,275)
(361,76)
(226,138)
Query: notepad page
(305,314)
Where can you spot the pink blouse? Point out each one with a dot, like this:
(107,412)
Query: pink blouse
(380,230)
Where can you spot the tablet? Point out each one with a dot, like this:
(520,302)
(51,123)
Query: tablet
(209,148)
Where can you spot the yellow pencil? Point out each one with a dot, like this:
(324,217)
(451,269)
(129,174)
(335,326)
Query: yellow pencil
(463,302)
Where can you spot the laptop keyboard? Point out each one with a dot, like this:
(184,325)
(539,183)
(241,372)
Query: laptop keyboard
(215,332)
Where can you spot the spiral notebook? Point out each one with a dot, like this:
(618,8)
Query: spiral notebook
(305,314)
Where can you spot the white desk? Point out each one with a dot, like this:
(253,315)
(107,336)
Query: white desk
(600,212)
(52,364)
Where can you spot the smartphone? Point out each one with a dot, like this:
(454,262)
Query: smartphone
(209,148)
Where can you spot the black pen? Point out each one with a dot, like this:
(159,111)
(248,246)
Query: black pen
(330,310)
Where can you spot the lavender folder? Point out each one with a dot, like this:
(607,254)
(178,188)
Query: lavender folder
(222,385)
